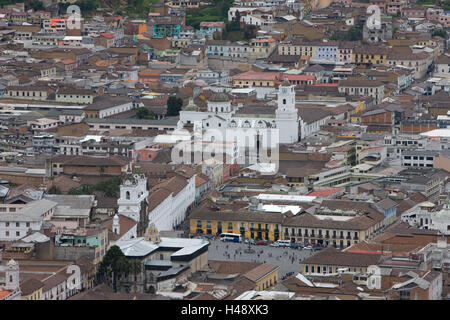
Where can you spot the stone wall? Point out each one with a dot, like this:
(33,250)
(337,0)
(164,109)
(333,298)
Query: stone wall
(73,253)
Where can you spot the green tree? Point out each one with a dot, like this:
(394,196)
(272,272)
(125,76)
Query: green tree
(37,5)
(87,5)
(439,32)
(54,190)
(113,267)
(174,105)
(110,188)
(144,113)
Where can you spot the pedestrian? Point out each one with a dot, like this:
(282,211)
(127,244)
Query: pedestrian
(240,253)
(217,247)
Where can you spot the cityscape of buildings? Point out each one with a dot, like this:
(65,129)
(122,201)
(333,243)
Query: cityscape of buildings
(225,150)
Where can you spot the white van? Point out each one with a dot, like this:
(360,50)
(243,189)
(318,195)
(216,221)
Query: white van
(281,243)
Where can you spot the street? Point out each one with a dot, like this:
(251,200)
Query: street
(286,258)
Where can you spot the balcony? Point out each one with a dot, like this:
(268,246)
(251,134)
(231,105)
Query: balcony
(319,236)
(356,238)
(334,236)
(327,236)
(348,237)
(341,236)
(261,230)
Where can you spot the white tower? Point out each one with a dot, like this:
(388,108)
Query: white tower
(132,192)
(12,275)
(116,225)
(287,114)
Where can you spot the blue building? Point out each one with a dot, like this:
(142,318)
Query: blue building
(389,208)
(218,48)
(327,51)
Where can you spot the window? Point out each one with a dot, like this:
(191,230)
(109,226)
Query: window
(404,295)
(18,233)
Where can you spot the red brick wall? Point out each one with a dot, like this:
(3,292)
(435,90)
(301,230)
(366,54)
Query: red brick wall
(384,118)
(418,128)
(114,170)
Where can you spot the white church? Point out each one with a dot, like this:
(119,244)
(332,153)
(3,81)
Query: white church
(222,115)
(165,207)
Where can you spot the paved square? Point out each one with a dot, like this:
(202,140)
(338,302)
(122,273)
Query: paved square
(286,258)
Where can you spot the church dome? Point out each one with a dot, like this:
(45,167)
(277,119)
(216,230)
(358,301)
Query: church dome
(286,83)
(191,106)
(219,97)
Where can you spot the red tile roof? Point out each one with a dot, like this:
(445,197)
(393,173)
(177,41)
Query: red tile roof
(107,35)
(254,75)
(325,193)
(298,77)
(324,85)
(4,294)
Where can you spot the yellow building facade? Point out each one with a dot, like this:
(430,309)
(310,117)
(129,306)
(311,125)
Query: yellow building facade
(251,225)
(297,49)
(267,280)
(369,55)
(35,295)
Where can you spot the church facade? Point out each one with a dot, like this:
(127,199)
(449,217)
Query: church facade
(222,116)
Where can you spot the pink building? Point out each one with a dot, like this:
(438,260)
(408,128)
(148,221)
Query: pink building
(413,12)
(146,154)
(433,14)
(393,6)
(345,53)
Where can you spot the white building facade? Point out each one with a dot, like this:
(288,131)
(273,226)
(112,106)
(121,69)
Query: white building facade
(221,115)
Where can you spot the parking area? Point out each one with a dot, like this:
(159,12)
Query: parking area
(287,259)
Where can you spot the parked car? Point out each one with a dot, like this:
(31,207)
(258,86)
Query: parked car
(281,243)
(294,246)
(207,237)
(308,248)
(262,243)
(274,244)
(318,248)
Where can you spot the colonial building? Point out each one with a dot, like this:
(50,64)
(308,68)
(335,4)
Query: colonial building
(370,88)
(221,115)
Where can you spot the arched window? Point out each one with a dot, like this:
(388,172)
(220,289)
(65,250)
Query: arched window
(127,195)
